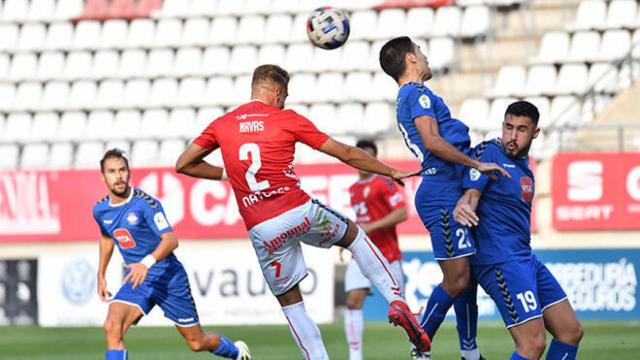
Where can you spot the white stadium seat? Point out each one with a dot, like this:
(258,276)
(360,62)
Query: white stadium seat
(105,64)
(126,125)
(110,94)
(553,48)
(348,119)
(141,34)
(243,59)
(188,61)
(278,28)
(510,81)
(28,96)
(299,86)
(159,62)
(4,65)
(123,145)
(60,156)
(543,105)
(615,44)
(67,9)
(391,23)
(474,113)
(7,95)
(181,123)
(363,25)
(204,117)
(441,53)
(476,21)
(86,35)
(23,66)
(324,60)
(59,36)
(133,63)
(88,155)
(9,36)
(153,124)
(298,57)
(215,60)
(447,21)
(300,22)
(603,77)
(15,10)
(324,116)
(572,79)
(9,158)
(83,95)
(144,153)
(565,110)
(168,33)
(44,126)
(77,65)
(218,91)
(50,65)
(356,84)
(99,124)
(136,93)
(496,113)
(541,80)
(163,93)
(174,8)
(196,32)
(241,91)
(32,37)
(419,21)
(621,14)
(169,151)
(329,88)
(223,30)
(17,127)
(114,34)
(72,126)
(250,30)
(230,7)
(202,8)
(585,46)
(271,54)
(355,56)
(190,91)
(378,118)
(41,10)
(590,15)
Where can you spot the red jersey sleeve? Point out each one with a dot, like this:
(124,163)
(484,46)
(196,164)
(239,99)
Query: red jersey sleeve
(306,132)
(207,139)
(392,194)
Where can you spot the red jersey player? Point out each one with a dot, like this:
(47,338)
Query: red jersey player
(257,141)
(379,207)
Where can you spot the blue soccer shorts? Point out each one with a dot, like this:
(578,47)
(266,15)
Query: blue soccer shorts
(169,290)
(521,289)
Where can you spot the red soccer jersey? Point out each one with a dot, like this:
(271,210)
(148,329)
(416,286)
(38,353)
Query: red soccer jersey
(373,199)
(257,143)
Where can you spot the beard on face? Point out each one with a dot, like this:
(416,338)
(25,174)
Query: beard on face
(120,193)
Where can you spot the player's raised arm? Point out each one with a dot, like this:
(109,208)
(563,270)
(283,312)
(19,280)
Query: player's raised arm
(393,218)
(428,129)
(106,250)
(191,162)
(361,160)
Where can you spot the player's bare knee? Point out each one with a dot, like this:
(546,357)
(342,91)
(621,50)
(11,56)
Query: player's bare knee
(112,328)
(455,286)
(572,335)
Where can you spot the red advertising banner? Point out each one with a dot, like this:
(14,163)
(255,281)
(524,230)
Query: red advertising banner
(596,191)
(57,205)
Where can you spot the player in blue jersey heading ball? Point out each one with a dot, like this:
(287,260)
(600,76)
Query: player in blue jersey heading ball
(442,145)
(527,295)
(136,223)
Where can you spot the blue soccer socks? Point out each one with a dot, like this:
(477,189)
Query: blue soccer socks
(561,351)
(437,307)
(226,349)
(116,355)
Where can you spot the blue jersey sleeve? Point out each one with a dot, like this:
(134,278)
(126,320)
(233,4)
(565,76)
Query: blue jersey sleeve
(103,231)
(156,218)
(474,179)
(422,103)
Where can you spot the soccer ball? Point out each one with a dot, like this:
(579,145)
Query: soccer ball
(328,27)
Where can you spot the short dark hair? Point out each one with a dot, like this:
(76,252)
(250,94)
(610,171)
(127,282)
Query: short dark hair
(392,56)
(524,108)
(367,144)
(113,153)
(271,72)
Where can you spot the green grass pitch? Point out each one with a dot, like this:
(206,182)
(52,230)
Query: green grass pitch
(603,340)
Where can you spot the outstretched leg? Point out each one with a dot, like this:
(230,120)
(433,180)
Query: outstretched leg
(119,318)
(216,344)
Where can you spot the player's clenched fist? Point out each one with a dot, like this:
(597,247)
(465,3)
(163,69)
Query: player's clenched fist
(103,293)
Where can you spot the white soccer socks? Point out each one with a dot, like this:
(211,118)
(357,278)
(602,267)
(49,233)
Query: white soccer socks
(305,332)
(353,328)
(375,267)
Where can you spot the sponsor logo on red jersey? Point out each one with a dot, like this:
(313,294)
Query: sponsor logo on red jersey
(277,242)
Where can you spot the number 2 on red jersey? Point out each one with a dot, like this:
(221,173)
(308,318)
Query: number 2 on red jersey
(254,150)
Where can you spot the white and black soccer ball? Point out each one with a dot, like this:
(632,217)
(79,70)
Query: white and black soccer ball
(328,27)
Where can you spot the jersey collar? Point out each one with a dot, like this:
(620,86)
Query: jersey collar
(124,202)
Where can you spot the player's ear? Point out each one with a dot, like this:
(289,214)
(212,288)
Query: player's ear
(536,132)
